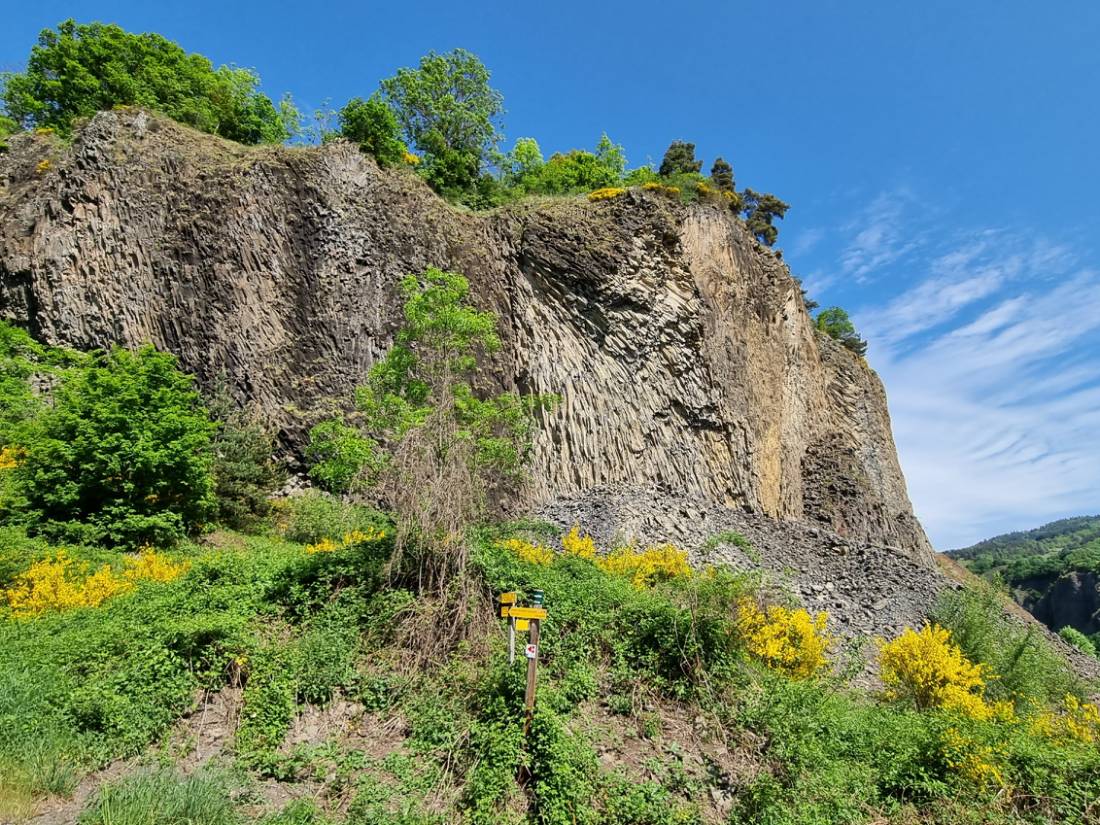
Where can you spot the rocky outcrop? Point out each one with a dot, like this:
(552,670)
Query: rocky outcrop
(1071,600)
(681,350)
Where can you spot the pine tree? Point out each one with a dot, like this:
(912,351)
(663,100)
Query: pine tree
(721,175)
(680,158)
(760,211)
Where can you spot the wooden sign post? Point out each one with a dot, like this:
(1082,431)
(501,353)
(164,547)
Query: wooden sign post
(532,676)
(524,617)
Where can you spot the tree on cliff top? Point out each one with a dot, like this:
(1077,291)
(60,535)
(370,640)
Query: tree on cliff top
(434,450)
(448,110)
(680,159)
(835,323)
(760,211)
(80,69)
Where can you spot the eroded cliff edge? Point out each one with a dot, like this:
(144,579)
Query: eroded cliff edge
(682,351)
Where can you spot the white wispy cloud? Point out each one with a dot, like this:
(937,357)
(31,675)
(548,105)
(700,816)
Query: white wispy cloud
(880,236)
(992,369)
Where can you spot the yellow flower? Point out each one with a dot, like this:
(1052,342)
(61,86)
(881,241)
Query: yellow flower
(43,166)
(530,553)
(411,159)
(10,458)
(153,566)
(789,641)
(973,761)
(647,567)
(662,189)
(607,193)
(1078,720)
(323,546)
(932,671)
(60,583)
(574,544)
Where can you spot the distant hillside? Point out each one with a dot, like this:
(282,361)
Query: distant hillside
(1067,544)
(1053,571)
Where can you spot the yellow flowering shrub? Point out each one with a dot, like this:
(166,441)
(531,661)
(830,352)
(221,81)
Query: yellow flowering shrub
(975,762)
(789,641)
(352,538)
(59,582)
(530,553)
(662,189)
(574,544)
(932,671)
(153,566)
(647,567)
(43,166)
(1077,720)
(411,159)
(323,546)
(607,193)
(10,458)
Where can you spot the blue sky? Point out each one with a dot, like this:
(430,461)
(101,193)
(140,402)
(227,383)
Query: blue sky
(941,160)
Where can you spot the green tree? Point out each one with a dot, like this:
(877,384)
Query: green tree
(721,175)
(680,159)
(448,110)
(835,323)
(372,124)
(524,161)
(80,69)
(120,455)
(8,127)
(244,473)
(575,171)
(760,212)
(433,449)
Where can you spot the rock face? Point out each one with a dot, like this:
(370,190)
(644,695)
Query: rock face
(1071,600)
(681,350)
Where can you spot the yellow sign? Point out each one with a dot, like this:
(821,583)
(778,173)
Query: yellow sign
(508,598)
(523,612)
(523,624)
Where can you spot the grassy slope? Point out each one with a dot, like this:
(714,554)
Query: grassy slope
(648,711)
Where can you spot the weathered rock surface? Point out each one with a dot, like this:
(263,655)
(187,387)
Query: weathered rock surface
(1071,600)
(682,351)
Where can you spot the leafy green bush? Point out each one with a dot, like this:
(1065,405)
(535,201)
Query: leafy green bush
(244,473)
(835,323)
(165,797)
(372,124)
(315,515)
(565,173)
(80,69)
(1078,639)
(121,455)
(1028,669)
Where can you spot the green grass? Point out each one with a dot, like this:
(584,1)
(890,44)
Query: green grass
(82,688)
(164,797)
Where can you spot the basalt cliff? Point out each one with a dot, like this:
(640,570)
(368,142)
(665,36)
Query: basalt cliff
(687,366)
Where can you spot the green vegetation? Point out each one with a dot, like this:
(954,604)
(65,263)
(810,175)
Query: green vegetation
(120,455)
(835,323)
(448,110)
(1030,562)
(121,450)
(435,450)
(80,69)
(372,124)
(166,798)
(680,159)
(1045,552)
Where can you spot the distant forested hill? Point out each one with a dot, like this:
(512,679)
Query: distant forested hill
(1047,551)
